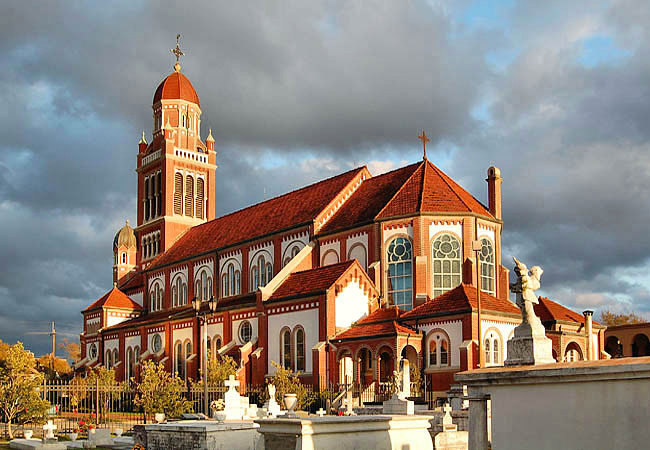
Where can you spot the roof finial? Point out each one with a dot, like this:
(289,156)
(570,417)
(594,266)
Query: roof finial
(423,137)
(143,139)
(115,284)
(178,53)
(127,222)
(209,138)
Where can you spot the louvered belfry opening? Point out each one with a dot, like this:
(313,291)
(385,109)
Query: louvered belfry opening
(178,193)
(189,196)
(147,201)
(199,198)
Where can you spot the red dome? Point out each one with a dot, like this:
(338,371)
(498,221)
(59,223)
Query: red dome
(176,87)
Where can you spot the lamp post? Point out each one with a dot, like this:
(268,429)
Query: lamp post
(476,247)
(203,320)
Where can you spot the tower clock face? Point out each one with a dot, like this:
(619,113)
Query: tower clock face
(93,351)
(156,343)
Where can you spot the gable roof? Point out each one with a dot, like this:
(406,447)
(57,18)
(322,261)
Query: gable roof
(369,199)
(381,315)
(429,189)
(311,281)
(114,299)
(299,207)
(136,280)
(548,311)
(371,330)
(461,298)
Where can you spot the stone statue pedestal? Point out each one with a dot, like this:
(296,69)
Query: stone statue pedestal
(529,346)
(398,405)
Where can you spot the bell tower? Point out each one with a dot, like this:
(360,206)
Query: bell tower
(176,171)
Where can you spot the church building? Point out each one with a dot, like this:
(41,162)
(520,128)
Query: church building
(337,280)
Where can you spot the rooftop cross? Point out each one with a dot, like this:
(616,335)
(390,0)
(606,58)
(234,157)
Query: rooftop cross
(423,137)
(178,53)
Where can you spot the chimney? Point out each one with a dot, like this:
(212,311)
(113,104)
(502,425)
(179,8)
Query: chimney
(589,334)
(494,191)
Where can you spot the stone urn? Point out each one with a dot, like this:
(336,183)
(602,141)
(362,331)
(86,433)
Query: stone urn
(73,436)
(219,416)
(290,401)
(28,434)
(118,432)
(159,417)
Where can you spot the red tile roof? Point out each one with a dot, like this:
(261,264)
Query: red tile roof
(135,281)
(373,194)
(114,299)
(429,189)
(381,314)
(462,297)
(548,310)
(279,213)
(374,329)
(311,281)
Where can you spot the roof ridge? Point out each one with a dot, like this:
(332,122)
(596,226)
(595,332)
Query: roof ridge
(399,190)
(424,180)
(329,266)
(278,197)
(448,181)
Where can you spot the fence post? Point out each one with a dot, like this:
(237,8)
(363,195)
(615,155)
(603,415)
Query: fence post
(97,399)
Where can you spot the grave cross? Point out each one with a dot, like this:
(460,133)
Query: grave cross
(321,412)
(49,429)
(231,383)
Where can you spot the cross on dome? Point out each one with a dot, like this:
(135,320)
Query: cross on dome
(178,53)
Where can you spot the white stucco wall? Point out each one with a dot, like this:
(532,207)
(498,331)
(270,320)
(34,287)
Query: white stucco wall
(265,249)
(150,341)
(235,330)
(334,246)
(389,233)
(132,341)
(454,330)
(288,242)
(351,304)
(309,321)
(182,334)
(353,242)
(448,226)
(215,329)
(111,344)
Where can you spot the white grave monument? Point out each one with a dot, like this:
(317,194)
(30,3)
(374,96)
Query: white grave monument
(399,403)
(271,406)
(48,429)
(529,344)
(49,441)
(450,438)
(233,401)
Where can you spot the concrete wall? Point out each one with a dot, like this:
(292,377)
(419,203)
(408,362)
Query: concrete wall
(583,405)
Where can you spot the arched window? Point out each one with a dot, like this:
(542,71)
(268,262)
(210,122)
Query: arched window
(330,257)
(300,349)
(188,353)
(433,353)
(108,362)
(225,285)
(446,253)
(261,272)
(237,282)
(492,348)
(129,363)
(189,196)
(179,292)
(203,285)
(291,252)
(245,332)
(573,353)
(286,349)
(209,348)
(180,360)
(439,349)
(156,297)
(400,276)
(178,193)
(159,194)
(199,197)
(358,252)
(486,257)
(123,258)
(115,357)
(217,343)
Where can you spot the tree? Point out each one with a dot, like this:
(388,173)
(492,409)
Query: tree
(612,319)
(71,350)
(103,379)
(20,383)
(160,392)
(46,366)
(219,369)
(4,349)
(286,381)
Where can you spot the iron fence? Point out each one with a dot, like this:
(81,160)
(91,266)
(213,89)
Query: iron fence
(114,407)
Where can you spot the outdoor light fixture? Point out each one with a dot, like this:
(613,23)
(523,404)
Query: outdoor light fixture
(203,321)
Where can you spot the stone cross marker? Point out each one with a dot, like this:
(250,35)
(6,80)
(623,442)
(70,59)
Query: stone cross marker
(231,383)
(446,419)
(49,430)
(321,412)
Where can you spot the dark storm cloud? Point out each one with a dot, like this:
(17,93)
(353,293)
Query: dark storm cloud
(297,91)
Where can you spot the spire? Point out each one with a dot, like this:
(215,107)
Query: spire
(423,137)
(168,126)
(209,138)
(114,284)
(143,139)
(178,53)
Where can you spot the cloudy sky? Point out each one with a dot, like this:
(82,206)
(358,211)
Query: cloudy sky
(555,93)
